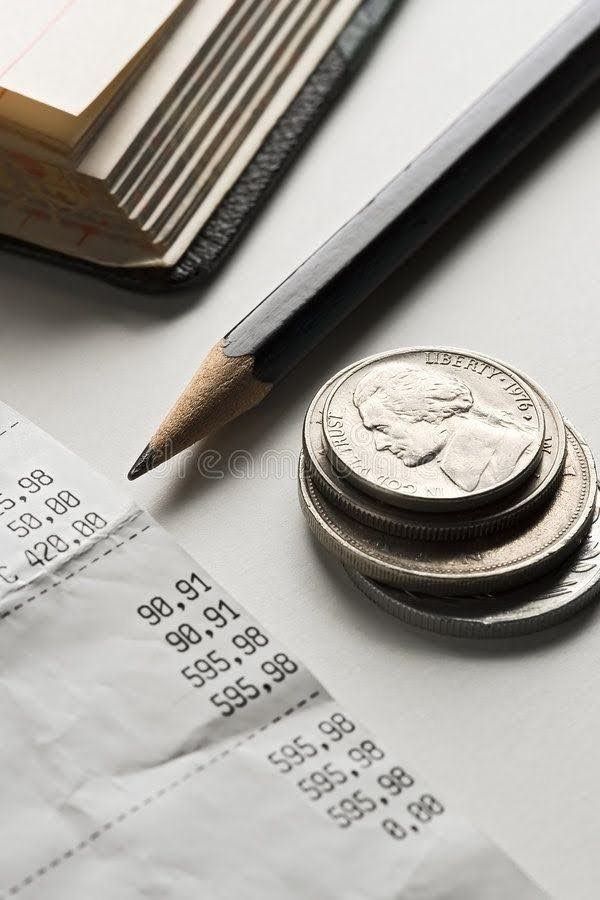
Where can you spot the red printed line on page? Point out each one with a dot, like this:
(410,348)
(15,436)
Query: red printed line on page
(38,37)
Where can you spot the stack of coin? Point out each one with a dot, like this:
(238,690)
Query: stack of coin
(452,490)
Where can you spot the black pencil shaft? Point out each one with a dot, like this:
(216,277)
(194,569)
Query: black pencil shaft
(367,249)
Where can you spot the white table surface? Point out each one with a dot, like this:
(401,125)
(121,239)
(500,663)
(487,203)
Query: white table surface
(510,728)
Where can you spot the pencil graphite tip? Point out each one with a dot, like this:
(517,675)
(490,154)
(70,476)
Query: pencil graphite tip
(222,389)
(147,460)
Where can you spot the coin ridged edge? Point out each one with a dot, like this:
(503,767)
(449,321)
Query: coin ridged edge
(457,627)
(436,585)
(586,496)
(415,532)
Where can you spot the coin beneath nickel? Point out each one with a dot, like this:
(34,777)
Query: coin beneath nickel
(431,429)
(491,563)
(443,525)
(552,599)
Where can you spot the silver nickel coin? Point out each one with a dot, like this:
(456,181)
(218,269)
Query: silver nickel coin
(459,525)
(550,600)
(433,429)
(491,563)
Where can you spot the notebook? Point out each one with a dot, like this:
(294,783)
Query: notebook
(138,140)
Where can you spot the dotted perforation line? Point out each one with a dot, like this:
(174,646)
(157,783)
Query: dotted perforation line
(8,429)
(153,797)
(23,603)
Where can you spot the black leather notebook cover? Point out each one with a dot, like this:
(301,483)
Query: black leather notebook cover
(217,238)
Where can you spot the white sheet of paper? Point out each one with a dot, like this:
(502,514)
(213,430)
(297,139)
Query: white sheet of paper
(65,52)
(158,742)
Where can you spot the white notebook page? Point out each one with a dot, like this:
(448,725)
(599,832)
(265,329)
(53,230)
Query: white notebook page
(63,53)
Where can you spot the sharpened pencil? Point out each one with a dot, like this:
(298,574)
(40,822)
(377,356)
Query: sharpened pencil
(271,340)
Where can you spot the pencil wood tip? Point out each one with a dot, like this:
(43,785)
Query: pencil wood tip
(147,460)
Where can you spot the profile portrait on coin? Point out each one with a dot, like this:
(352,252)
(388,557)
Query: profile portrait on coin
(421,416)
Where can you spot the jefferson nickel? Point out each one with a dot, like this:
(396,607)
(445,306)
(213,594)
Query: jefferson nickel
(432,429)
(414,524)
